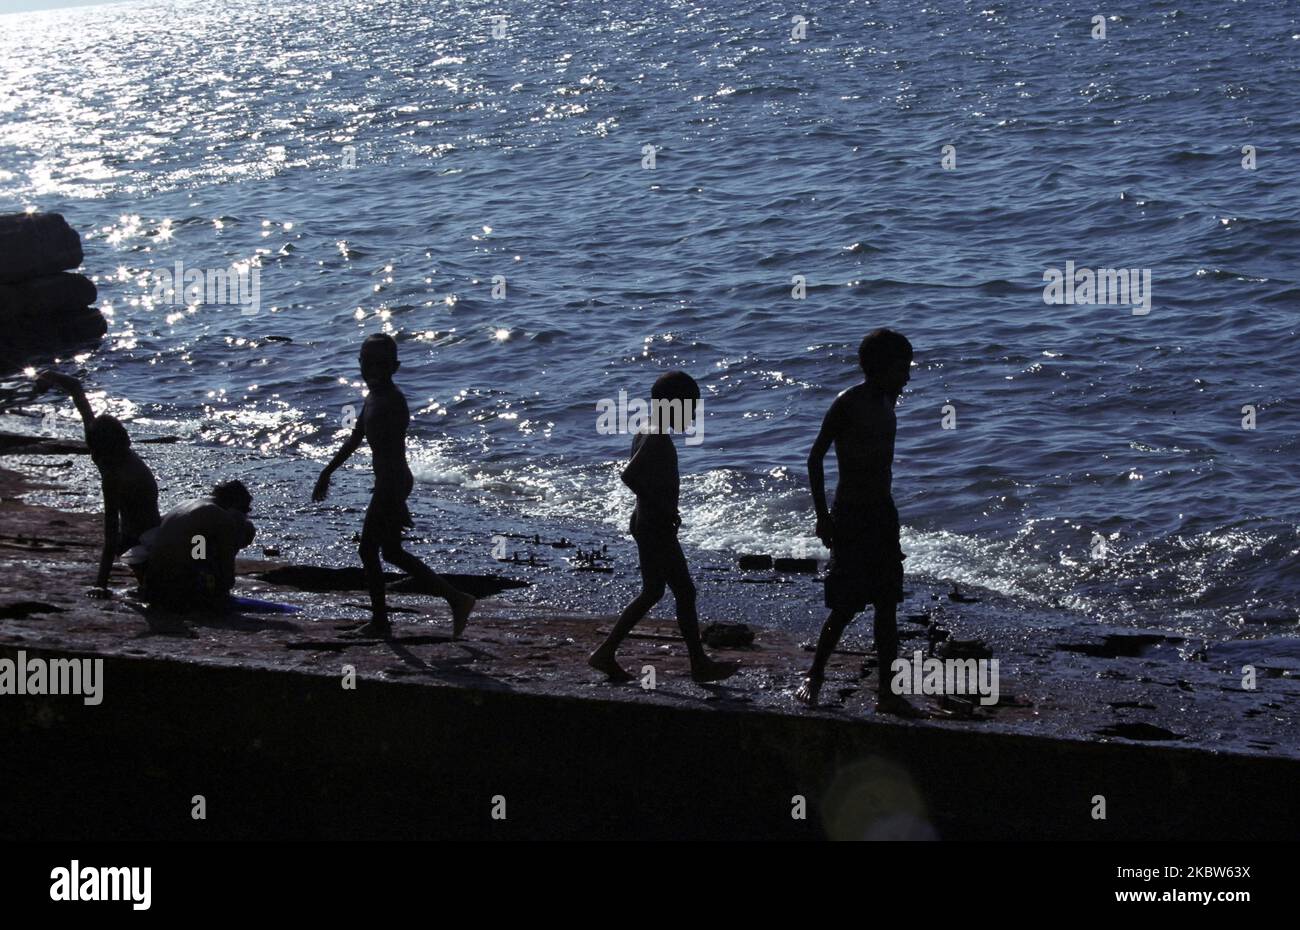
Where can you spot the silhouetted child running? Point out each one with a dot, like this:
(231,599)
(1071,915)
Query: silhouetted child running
(383,424)
(652,476)
(129,489)
(866,565)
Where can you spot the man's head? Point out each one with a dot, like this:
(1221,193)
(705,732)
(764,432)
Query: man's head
(886,360)
(107,438)
(679,387)
(232,495)
(378,359)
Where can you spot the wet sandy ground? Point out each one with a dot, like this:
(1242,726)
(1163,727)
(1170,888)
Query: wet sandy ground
(1087,683)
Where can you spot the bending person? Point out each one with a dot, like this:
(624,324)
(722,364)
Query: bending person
(129,489)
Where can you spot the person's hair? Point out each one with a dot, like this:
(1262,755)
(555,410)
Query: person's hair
(673,399)
(381,344)
(881,346)
(232,495)
(107,437)
(675,385)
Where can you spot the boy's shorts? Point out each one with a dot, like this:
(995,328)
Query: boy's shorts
(866,565)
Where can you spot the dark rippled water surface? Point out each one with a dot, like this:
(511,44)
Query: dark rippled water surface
(219,133)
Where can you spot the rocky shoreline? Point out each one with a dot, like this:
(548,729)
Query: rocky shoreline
(254,706)
(46,307)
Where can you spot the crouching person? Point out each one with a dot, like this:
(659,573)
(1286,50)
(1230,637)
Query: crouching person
(191,559)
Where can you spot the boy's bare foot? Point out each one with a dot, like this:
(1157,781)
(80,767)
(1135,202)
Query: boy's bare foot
(460,610)
(375,629)
(809,690)
(899,707)
(605,663)
(712,670)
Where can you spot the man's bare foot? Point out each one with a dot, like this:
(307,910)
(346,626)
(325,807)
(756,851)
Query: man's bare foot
(460,610)
(602,662)
(375,629)
(712,670)
(900,707)
(809,691)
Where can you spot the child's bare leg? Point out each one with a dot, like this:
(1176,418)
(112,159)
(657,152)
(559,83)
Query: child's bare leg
(460,603)
(703,669)
(603,658)
(832,630)
(886,634)
(378,625)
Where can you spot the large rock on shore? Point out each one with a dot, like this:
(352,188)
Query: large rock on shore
(43,308)
(36,244)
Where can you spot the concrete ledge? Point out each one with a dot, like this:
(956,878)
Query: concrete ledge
(282,754)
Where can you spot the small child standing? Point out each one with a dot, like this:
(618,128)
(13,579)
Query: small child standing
(652,475)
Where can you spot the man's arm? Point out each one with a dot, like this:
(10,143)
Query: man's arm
(350,445)
(816,471)
(109,554)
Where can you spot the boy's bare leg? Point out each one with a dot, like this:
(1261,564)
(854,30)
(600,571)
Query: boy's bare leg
(460,603)
(703,669)
(886,634)
(832,630)
(603,658)
(378,624)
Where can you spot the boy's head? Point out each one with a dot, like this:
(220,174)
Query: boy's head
(680,387)
(232,495)
(107,438)
(886,359)
(378,359)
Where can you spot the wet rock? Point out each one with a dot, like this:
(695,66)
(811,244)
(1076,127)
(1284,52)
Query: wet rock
(20,610)
(320,579)
(47,294)
(728,635)
(1144,732)
(964,649)
(797,566)
(1271,616)
(755,563)
(1120,645)
(43,309)
(36,244)
(23,444)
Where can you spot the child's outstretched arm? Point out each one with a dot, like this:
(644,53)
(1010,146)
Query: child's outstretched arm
(72,387)
(350,445)
(817,474)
